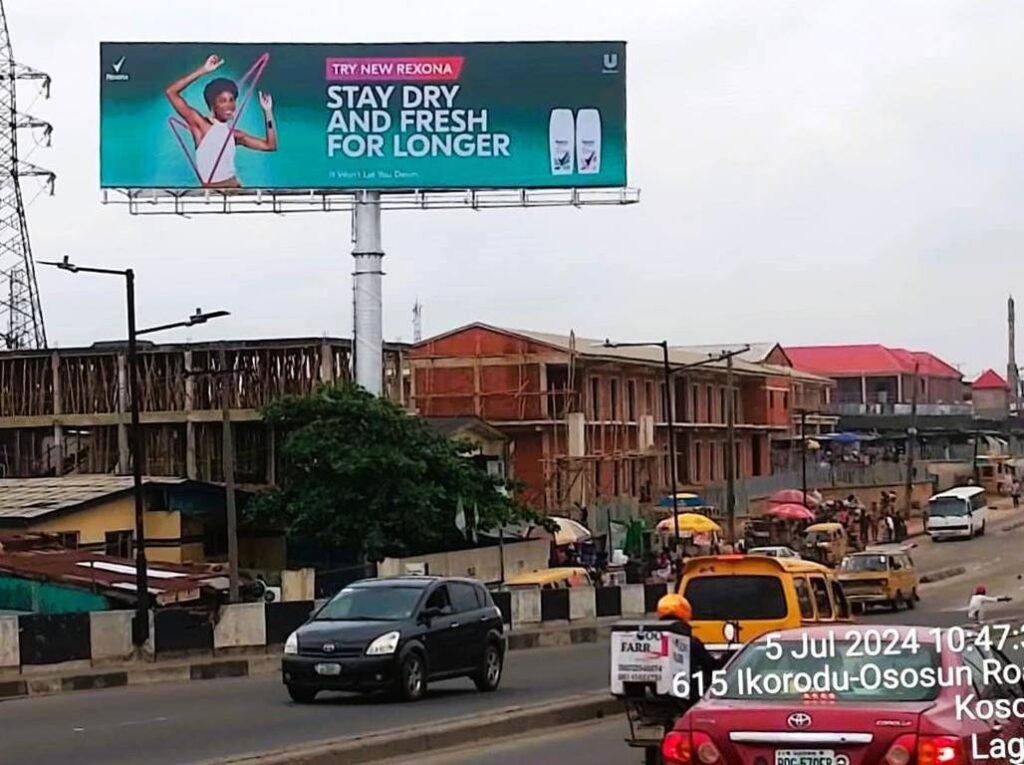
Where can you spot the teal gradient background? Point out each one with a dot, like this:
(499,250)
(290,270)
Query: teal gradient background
(518,83)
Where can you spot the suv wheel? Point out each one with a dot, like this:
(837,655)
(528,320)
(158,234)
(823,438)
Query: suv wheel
(489,676)
(412,678)
(301,695)
(898,602)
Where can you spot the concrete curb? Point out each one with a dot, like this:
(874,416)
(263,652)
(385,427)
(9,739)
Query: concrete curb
(942,573)
(213,668)
(419,739)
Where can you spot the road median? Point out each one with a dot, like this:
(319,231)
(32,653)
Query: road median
(419,739)
(938,575)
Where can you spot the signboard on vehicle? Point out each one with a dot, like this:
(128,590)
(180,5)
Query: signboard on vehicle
(648,656)
(362,116)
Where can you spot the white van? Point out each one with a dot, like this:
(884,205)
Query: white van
(959,512)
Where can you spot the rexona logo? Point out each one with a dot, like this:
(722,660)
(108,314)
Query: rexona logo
(611,63)
(116,75)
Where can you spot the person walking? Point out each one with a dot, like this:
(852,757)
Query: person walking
(976,605)
(890,527)
(864,521)
(873,521)
(1015,492)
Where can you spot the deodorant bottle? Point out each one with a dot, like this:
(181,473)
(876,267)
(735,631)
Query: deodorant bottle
(588,141)
(561,141)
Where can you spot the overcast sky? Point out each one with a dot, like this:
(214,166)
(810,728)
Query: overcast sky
(811,171)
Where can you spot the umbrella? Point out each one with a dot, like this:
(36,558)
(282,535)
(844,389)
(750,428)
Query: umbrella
(683,499)
(568,531)
(790,512)
(691,523)
(792,497)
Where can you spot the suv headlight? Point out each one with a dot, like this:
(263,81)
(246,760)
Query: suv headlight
(385,645)
(291,645)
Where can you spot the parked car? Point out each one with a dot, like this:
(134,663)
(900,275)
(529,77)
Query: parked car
(880,576)
(778,551)
(398,634)
(903,722)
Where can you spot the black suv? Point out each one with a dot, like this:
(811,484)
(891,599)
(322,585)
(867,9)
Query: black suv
(397,634)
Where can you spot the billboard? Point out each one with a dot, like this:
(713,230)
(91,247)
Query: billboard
(363,116)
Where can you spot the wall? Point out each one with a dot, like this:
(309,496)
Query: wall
(482,563)
(991,402)
(119,515)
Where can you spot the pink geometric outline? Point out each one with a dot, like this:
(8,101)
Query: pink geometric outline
(256,72)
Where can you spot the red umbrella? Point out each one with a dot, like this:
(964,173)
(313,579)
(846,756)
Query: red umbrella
(791,496)
(790,512)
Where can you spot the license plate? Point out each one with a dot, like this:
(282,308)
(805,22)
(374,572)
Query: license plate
(328,669)
(809,757)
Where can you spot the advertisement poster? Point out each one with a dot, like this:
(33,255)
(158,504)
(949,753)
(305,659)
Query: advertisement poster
(363,116)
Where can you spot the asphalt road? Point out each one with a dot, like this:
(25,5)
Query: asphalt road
(186,723)
(598,743)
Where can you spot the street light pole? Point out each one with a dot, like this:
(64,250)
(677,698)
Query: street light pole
(140,630)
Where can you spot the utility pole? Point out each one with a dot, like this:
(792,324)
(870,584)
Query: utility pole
(730,457)
(670,420)
(908,488)
(974,459)
(1012,373)
(803,452)
(226,378)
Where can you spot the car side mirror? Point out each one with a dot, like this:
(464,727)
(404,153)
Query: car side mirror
(427,615)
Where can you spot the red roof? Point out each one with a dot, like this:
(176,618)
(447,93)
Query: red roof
(856,360)
(990,380)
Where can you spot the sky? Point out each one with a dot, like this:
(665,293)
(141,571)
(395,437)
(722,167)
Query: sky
(810,171)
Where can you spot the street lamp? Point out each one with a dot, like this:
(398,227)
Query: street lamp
(668,418)
(141,631)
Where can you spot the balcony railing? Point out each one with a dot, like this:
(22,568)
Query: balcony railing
(841,408)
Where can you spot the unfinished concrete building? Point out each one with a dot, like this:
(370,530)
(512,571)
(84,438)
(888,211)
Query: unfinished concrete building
(588,422)
(66,411)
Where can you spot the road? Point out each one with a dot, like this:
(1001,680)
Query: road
(181,724)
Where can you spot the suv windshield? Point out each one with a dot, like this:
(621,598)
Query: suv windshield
(851,678)
(736,597)
(946,507)
(371,604)
(864,563)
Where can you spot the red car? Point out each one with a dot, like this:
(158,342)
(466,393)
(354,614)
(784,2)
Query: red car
(892,699)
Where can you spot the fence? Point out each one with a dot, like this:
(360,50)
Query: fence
(818,477)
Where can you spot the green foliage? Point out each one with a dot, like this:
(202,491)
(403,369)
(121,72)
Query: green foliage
(358,472)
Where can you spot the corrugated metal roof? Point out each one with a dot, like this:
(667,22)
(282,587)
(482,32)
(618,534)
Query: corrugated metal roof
(33,498)
(875,359)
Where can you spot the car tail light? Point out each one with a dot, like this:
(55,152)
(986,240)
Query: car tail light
(707,752)
(675,748)
(940,750)
(681,748)
(902,750)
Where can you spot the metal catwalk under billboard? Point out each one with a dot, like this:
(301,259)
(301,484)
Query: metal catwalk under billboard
(353,116)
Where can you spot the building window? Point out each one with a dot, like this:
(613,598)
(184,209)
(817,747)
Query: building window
(721,404)
(649,395)
(614,399)
(631,400)
(663,412)
(119,543)
(709,415)
(785,401)
(694,404)
(736,417)
(68,539)
(698,467)
(737,465)
(595,398)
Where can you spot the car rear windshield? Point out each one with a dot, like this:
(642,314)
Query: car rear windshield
(371,604)
(856,677)
(864,563)
(946,507)
(736,597)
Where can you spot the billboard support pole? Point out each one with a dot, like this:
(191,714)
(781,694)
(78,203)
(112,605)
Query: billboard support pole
(367,325)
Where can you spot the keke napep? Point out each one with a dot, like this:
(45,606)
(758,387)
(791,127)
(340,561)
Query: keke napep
(737,598)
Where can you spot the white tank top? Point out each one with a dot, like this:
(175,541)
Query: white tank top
(210,148)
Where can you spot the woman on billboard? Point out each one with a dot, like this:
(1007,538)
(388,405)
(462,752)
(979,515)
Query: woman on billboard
(215,136)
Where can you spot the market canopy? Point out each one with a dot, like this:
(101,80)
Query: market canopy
(790,512)
(690,523)
(683,499)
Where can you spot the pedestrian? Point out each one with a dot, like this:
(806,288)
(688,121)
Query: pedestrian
(1015,493)
(976,605)
(865,523)
(890,527)
(873,521)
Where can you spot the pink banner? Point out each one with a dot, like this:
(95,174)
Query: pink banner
(407,69)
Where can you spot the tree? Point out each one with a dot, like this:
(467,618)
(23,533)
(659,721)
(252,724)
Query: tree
(359,473)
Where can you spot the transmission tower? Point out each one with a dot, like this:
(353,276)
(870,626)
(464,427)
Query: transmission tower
(417,321)
(21,323)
